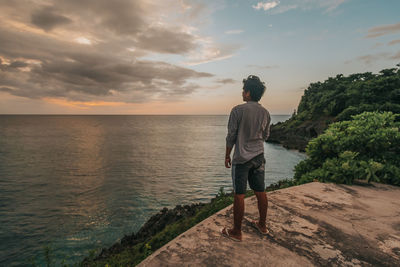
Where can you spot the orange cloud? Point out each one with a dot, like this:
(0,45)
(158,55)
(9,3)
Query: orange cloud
(81,104)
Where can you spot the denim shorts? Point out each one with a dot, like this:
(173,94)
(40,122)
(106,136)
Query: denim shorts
(252,171)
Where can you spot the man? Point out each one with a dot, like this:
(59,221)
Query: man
(248,128)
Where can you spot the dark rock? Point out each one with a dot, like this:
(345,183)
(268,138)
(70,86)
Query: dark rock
(296,134)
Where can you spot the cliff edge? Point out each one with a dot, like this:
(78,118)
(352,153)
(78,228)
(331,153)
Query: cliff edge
(314,224)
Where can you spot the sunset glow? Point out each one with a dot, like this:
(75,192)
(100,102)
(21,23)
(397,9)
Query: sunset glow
(81,104)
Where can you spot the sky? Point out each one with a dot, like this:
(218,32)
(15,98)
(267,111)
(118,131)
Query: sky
(183,56)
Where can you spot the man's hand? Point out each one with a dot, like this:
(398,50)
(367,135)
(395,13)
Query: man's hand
(228,162)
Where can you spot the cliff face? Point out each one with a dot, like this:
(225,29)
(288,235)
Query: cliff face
(154,225)
(296,135)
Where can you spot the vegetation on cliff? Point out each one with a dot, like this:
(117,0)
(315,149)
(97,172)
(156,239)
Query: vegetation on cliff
(366,147)
(337,99)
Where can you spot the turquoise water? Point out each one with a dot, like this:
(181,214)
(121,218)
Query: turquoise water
(79,183)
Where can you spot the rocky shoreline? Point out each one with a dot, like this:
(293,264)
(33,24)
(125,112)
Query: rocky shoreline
(153,226)
(293,134)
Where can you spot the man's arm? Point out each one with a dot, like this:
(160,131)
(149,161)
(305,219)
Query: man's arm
(228,162)
(231,137)
(267,128)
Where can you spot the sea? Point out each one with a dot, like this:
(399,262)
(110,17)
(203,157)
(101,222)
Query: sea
(73,184)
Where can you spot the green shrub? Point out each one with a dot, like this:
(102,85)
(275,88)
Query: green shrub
(366,147)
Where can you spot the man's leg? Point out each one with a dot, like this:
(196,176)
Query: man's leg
(257,183)
(238,213)
(239,179)
(262,201)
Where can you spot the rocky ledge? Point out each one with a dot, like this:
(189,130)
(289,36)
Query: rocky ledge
(314,224)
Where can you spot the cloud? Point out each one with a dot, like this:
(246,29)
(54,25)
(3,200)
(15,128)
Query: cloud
(6,89)
(371,58)
(145,25)
(80,104)
(209,52)
(83,40)
(47,19)
(396,56)
(194,9)
(326,5)
(15,64)
(169,41)
(89,50)
(376,45)
(394,42)
(84,76)
(234,32)
(285,8)
(331,5)
(266,6)
(263,67)
(383,30)
(226,81)
(368,59)
(119,17)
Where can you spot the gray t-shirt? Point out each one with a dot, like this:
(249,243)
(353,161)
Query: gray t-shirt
(248,128)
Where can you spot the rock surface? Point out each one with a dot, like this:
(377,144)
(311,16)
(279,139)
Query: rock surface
(297,135)
(314,224)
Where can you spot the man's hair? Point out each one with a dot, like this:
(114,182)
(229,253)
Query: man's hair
(255,86)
